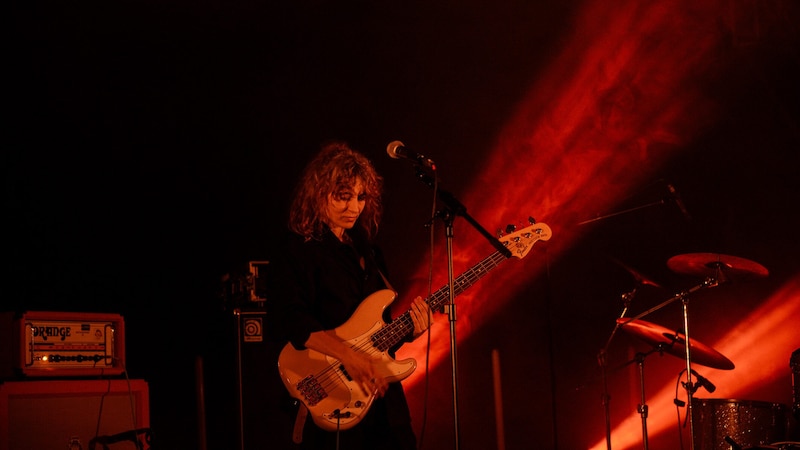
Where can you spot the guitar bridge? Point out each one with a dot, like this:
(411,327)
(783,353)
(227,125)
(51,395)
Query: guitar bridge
(311,390)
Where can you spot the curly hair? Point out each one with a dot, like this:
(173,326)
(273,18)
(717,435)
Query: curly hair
(335,167)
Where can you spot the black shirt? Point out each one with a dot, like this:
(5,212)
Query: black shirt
(317,284)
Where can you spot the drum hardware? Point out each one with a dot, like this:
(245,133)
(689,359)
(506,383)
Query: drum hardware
(719,269)
(739,424)
(665,341)
(640,278)
(660,335)
(794,365)
(734,445)
(627,298)
(724,268)
(716,269)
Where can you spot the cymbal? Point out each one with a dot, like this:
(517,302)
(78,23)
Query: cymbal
(722,267)
(638,276)
(674,343)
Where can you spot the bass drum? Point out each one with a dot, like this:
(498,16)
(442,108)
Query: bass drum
(749,423)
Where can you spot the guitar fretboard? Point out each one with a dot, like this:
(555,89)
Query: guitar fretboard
(398,329)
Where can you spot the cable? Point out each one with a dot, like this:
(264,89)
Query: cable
(131,402)
(338,415)
(100,411)
(678,405)
(430,318)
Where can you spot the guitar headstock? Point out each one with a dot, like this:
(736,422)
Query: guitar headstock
(521,241)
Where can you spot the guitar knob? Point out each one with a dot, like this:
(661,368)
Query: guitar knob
(510,228)
(531,220)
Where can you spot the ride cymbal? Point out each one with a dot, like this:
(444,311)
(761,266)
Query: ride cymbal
(674,343)
(721,267)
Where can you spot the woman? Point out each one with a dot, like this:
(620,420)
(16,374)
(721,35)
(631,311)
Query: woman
(328,266)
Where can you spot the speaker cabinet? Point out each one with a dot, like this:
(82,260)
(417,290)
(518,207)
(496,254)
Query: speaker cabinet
(246,398)
(67,414)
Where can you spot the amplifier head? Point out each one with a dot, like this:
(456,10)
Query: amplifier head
(55,344)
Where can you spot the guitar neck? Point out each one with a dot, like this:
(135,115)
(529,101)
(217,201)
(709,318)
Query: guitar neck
(402,327)
(441,297)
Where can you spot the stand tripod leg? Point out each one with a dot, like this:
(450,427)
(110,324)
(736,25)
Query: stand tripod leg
(642,408)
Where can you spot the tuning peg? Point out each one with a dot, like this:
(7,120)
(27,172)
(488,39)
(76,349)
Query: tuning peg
(499,233)
(510,228)
(531,220)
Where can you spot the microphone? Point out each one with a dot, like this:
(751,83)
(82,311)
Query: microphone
(679,201)
(396,150)
(702,381)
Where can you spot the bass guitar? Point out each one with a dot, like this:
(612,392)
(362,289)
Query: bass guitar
(320,382)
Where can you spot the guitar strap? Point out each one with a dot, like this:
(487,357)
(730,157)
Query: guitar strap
(386,280)
(371,254)
(299,422)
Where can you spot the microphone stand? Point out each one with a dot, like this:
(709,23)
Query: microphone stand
(456,208)
(624,211)
(453,209)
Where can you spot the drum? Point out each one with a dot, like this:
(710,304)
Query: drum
(748,423)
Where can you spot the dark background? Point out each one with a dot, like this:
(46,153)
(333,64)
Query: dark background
(151,147)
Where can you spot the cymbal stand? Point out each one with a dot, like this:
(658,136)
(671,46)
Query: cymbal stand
(601,359)
(707,283)
(690,389)
(684,298)
(642,407)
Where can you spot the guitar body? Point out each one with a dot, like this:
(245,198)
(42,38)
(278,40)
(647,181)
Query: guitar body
(320,382)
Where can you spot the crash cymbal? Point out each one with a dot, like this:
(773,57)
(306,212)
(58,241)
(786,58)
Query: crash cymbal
(722,267)
(638,276)
(674,343)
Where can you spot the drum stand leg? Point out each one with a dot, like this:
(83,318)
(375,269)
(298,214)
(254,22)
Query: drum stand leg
(642,407)
(690,387)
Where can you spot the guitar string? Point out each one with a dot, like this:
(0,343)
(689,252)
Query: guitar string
(370,346)
(386,337)
(378,342)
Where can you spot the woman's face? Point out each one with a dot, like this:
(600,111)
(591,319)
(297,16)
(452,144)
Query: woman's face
(344,207)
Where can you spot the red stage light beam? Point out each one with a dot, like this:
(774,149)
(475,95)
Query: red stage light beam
(622,97)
